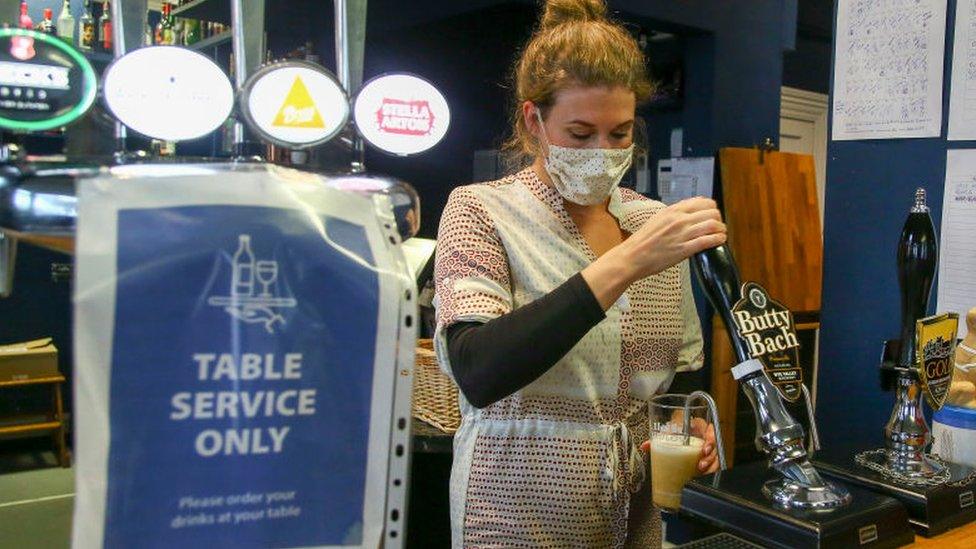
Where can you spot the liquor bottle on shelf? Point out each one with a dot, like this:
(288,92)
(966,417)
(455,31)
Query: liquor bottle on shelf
(47,24)
(25,20)
(66,23)
(86,29)
(105,27)
(164,29)
(191,32)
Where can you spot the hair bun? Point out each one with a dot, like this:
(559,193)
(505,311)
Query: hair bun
(559,12)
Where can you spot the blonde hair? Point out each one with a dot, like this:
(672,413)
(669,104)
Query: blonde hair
(575,44)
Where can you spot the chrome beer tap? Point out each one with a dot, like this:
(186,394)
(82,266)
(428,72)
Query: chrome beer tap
(907,433)
(778,435)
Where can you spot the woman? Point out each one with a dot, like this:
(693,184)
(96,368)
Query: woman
(563,304)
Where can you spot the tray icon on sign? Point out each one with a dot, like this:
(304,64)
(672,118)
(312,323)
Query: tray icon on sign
(251,298)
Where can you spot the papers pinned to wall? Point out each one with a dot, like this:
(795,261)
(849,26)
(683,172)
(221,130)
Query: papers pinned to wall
(962,95)
(957,250)
(681,178)
(888,69)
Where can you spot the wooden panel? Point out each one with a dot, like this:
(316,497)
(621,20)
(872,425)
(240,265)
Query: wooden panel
(774,224)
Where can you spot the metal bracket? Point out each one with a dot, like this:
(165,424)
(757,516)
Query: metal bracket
(768,145)
(814,434)
(713,411)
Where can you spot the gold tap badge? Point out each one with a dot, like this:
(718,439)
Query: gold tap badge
(935,348)
(768,330)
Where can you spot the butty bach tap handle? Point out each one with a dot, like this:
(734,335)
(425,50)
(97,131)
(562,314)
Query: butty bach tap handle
(777,433)
(719,278)
(918,258)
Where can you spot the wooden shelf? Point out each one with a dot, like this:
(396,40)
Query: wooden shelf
(217,11)
(30,427)
(32,381)
(53,420)
(213,41)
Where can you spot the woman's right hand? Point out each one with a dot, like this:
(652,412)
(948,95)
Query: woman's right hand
(673,235)
(666,239)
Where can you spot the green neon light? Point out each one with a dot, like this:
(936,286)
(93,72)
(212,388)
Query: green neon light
(89,85)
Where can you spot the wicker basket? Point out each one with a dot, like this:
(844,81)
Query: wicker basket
(435,397)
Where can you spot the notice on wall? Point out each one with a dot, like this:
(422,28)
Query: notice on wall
(962,94)
(888,69)
(232,329)
(957,251)
(681,178)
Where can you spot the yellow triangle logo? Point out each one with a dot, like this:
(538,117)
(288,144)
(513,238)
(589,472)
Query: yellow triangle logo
(298,110)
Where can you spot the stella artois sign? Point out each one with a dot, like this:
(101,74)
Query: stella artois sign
(935,349)
(401,114)
(769,332)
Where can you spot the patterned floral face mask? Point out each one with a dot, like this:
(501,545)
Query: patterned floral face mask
(585,176)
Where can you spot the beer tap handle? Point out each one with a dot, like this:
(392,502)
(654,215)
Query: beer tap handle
(719,277)
(918,258)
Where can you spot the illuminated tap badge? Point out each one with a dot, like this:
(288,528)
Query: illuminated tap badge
(767,328)
(168,93)
(401,114)
(44,83)
(295,104)
(935,347)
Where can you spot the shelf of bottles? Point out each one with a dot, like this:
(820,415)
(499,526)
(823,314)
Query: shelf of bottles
(194,29)
(206,10)
(91,33)
(212,41)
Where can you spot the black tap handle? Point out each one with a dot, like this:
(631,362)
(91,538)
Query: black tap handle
(719,277)
(918,259)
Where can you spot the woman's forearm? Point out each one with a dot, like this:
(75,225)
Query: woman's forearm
(491,361)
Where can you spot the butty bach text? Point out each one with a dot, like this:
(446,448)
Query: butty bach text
(757,330)
(266,402)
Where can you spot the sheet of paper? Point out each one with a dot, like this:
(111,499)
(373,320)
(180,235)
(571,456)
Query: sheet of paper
(687,177)
(962,89)
(888,69)
(677,142)
(957,250)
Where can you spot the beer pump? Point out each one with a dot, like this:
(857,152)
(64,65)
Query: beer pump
(794,506)
(937,494)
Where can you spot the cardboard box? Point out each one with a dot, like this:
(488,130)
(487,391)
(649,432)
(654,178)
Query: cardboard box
(28,360)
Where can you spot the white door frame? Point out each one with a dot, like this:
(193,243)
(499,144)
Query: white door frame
(808,106)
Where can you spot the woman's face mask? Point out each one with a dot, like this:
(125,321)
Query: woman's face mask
(585,176)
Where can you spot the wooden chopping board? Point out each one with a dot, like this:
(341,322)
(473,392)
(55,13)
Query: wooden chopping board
(774,223)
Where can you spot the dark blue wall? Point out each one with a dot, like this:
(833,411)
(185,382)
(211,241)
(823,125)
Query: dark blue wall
(870,187)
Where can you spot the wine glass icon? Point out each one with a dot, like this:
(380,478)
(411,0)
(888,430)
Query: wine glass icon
(267,273)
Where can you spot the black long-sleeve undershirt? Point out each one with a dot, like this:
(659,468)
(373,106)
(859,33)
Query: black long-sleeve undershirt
(492,360)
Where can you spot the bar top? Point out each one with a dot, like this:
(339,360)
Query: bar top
(963,537)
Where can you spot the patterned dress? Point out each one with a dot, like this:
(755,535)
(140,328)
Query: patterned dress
(557,464)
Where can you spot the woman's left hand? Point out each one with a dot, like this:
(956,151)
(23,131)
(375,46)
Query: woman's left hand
(708,459)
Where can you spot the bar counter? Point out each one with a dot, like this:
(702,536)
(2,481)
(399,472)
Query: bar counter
(961,538)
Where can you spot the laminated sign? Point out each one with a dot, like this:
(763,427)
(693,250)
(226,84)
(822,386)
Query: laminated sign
(244,341)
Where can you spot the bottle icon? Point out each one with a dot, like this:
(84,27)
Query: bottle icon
(242,280)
